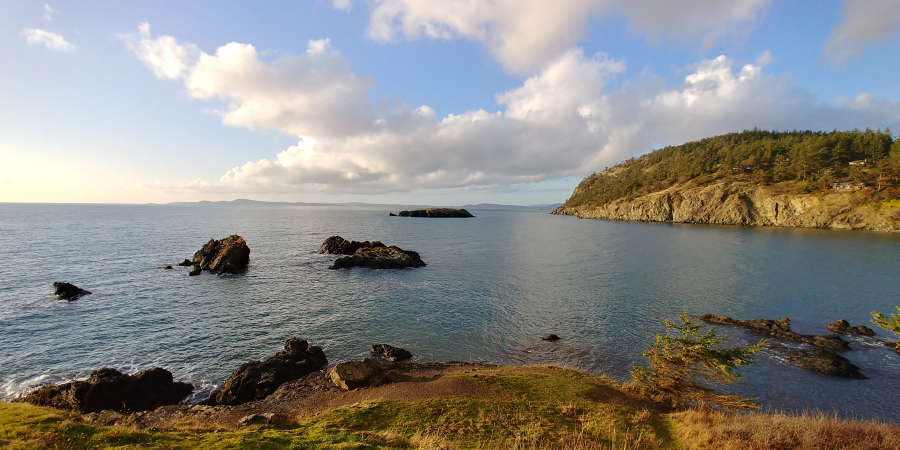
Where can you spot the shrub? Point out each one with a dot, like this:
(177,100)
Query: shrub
(683,360)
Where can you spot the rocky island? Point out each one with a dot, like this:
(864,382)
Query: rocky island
(372,255)
(219,256)
(437,213)
(836,180)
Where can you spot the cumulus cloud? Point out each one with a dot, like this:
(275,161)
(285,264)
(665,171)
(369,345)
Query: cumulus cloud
(526,34)
(50,40)
(564,120)
(864,23)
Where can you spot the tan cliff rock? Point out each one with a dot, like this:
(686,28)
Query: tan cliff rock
(742,203)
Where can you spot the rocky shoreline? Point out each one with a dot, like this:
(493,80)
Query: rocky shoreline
(743,203)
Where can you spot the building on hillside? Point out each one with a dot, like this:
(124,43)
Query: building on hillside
(847,186)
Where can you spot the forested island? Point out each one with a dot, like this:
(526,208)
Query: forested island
(838,180)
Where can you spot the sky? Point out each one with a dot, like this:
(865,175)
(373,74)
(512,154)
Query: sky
(443,102)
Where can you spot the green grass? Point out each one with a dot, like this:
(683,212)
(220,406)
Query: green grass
(534,407)
(531,407)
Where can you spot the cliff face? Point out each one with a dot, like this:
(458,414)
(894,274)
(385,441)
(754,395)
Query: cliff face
(740,203)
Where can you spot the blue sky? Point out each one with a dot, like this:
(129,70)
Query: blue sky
(410,100)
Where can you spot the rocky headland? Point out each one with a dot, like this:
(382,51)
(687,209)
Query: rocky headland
(745,203)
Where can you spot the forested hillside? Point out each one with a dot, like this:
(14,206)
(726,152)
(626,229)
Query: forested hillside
(838,180)
(813,160)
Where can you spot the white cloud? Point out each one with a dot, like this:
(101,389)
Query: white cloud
(563,121)
(343,5)
(526,34)
(163,55)
(50,12)
(865,22)
(53,41)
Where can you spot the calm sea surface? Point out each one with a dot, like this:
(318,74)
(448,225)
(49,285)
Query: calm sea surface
(493,285)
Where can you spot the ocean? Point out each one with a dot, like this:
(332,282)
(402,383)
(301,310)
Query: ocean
(493,286)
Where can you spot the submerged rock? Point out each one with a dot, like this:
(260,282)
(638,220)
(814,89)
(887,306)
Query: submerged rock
(392,257)
(255,380)
(392,214)
(844,327)
(390,352)
(68,291)
(437,213)
(820,360)
(166,267)
(228,255)
(336,245)
(195,270)
(354,374)
(186,263)
(110,389)
(781,329)
(550,337)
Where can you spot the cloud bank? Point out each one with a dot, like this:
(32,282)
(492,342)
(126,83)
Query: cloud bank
(564,120)
(527,34)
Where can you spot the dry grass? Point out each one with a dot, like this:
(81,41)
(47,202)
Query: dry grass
(717,430)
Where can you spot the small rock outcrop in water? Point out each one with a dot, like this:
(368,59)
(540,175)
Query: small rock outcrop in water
(392,257)
(68,291)
(437,213)
(390,352)
(186,263)
(255,380)
(229,255)
(336,245)
(844,327)
(550,337)
(821,357)
(195,270)
(781,329)
(353,374)
(110,389)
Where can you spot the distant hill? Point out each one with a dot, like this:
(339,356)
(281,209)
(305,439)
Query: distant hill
(839,179)
(389,206)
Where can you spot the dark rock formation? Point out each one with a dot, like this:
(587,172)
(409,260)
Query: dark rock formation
(186,263)
(229,255)
(68,291)
(392,214)
(821,357)
(436,212)
(195,270)
(336,245)
(779,329)
(844,327)
(110,389)
(353,374)
(550,337)
(255,380)
(167,267)
(390,352)
(820,360)
(392,257)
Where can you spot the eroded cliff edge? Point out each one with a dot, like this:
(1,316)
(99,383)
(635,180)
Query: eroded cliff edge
(746,203)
